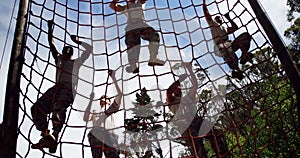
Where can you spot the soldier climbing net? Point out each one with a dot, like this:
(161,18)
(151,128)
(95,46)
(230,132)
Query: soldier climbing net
(256,115)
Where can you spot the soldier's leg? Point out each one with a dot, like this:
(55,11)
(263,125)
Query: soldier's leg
(41,109)
(39,113)
(110,143)
(195,142)
(218,142)
(64,98)
(111,152)
(152,36)
(221,141)
(96,145)
(133,42)
(243,42)
(231,60)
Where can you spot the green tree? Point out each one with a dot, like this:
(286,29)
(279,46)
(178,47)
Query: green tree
(294,8)
(293,33)
(264,111)
(261,116)
(144,121)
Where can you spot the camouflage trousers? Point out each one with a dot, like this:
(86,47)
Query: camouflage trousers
(228,49)
(55,100)
(133,42)
(95,137)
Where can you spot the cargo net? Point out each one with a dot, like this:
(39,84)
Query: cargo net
(248,110)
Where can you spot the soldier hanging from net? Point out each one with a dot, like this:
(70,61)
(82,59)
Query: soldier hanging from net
(135,30)
(185,110)
(226,48)
(58,98)
(100,138)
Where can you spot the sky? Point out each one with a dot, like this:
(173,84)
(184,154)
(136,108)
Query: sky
(276,11)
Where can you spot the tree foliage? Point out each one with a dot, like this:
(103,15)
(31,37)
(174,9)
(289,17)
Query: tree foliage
(293,33)
(294,8)
(261,116)
(144,121)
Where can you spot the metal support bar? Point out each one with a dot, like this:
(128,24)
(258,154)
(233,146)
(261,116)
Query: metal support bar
(278,45)
(9,127)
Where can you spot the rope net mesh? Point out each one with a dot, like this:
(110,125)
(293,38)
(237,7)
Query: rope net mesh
(252,117)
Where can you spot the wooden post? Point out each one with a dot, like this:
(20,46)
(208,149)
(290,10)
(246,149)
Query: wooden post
(9,127)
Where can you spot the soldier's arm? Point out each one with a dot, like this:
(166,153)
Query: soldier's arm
(114,5)
(53,48)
